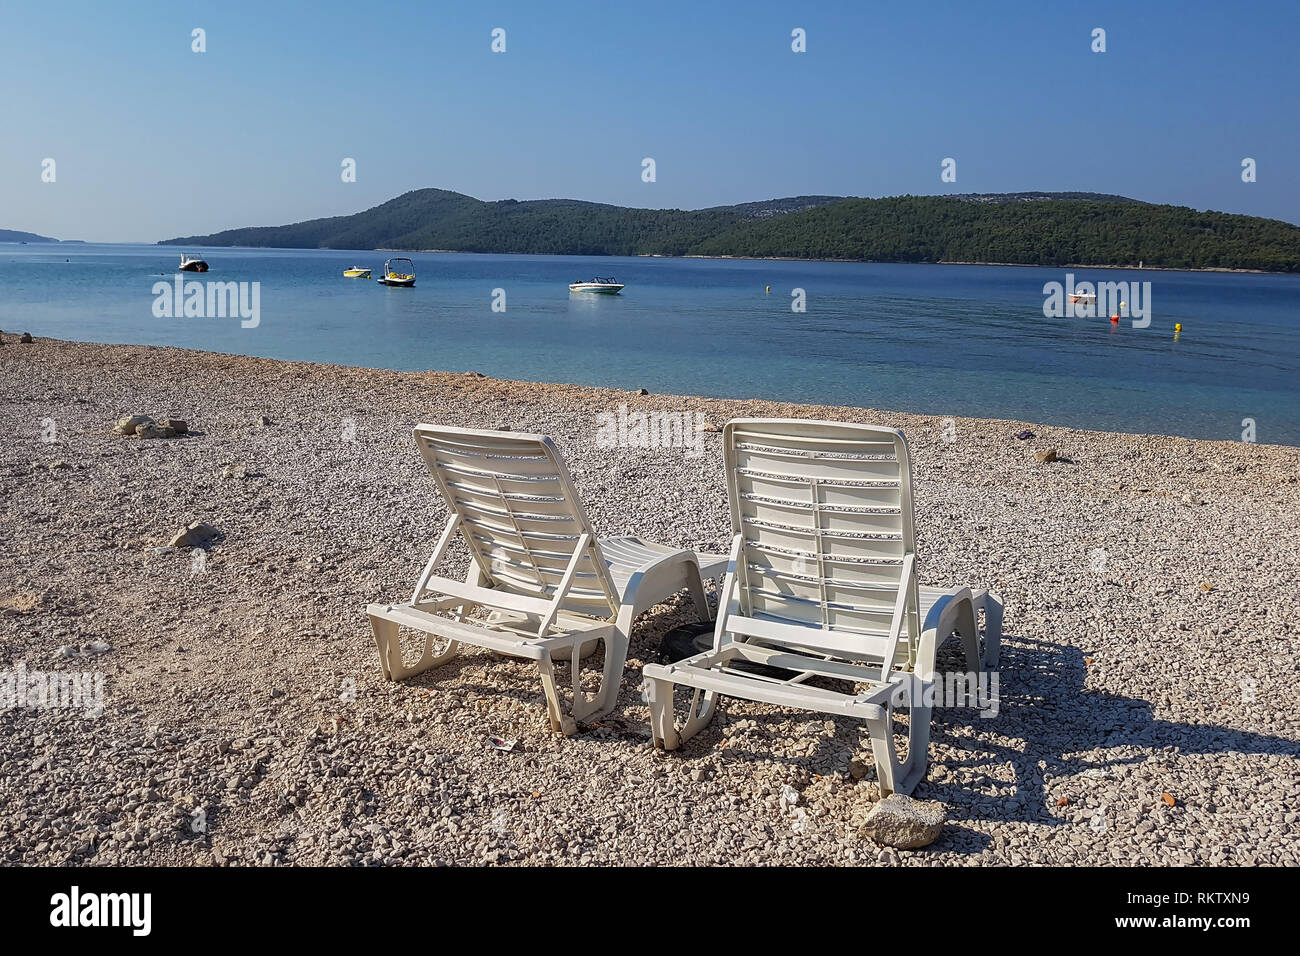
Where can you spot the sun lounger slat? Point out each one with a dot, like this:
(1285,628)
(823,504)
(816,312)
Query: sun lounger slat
(788,466)
(824,492)
(488,483)
(824,518)
(859,573)
(501,504)
(786,539)
(512,523)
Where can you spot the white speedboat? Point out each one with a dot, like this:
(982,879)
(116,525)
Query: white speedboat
(598,284)
(192,264)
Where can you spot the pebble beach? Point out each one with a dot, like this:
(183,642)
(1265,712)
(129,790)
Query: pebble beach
(1152,614)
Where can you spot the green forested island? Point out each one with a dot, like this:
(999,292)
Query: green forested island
(1055,229)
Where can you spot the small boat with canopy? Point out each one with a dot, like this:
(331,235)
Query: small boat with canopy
(395,274)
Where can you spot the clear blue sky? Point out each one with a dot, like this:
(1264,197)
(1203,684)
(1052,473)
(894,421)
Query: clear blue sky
(152,140)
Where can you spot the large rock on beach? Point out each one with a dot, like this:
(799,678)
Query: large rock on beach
(155,430)
(194,535)
(903,822)
(128,425)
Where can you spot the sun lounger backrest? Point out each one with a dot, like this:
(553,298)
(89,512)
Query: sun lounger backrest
(824,510)
(519,513)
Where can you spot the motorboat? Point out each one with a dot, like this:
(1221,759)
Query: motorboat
(609,286)
(356,273)
(393,275)
(192,263)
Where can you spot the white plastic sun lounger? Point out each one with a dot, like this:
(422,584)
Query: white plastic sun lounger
(822,583)
(540,585)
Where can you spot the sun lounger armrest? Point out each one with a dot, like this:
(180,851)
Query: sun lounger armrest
(663,573)
(940,621)
(906,592)
(444,542)
(667,557)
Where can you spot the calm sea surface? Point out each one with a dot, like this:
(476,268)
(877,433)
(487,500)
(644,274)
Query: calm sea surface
(942,340)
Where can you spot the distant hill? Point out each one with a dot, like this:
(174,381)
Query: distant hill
(11,235)
(438,219)
(1031,228)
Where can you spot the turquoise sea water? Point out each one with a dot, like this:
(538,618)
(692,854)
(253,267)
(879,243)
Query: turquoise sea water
(942,340)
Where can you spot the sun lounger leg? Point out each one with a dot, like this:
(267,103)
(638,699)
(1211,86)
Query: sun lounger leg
(385,633)
(897,776)
(659,695)
(668,735)
(390,651)
(561,722)
(966,624)
(992,630)
(611,680)
(703,705)
(695,584)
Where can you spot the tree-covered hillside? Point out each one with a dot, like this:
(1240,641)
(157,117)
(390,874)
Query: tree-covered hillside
(1030,228)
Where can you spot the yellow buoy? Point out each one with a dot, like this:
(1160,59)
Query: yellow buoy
(769,289)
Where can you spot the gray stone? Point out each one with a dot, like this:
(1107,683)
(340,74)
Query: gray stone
(128,425)
(154,430)
(193,535)
(903,822)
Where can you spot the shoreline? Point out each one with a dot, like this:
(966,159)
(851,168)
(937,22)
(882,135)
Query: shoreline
(655,255)
(565,387)
(1018,265)
(1148,580)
